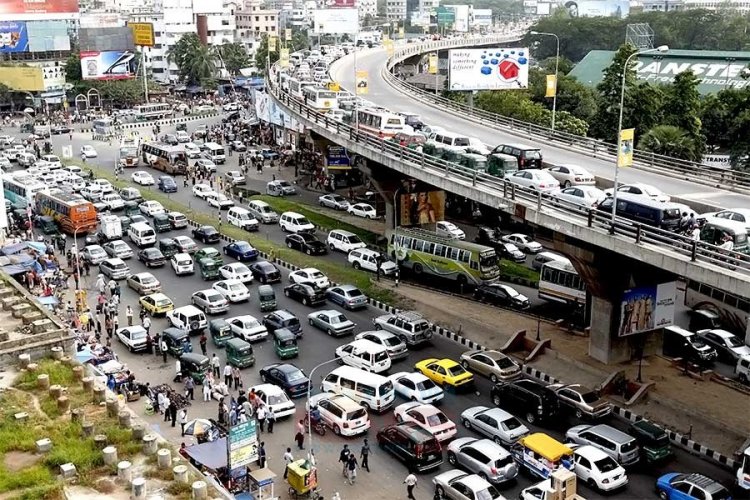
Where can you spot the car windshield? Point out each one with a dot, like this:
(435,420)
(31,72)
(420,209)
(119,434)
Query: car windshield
(385,389)
(138,334)
(183,262)
(335,320)
(147,280)
(500,463)
(426,385)
(243,246)
(457,370)
(316,274)
(275,399)
(236,287)
(381,356)
(391,341)
(532,154)
(734,342)
(284,184)
(606,464)
(359,413)
(650,190)
(510,424)
(488,494)
(337,198)
(504,363)
(294,376)
(163,302)
(510,291)
(214,297)
(355,292)
(436,419)
(488,259)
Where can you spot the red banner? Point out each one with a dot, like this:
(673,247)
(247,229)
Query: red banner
(341,4)
(38,7)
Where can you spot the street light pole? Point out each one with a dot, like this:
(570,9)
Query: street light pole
(311,454)
(395,204)
(557,65)
(661,48)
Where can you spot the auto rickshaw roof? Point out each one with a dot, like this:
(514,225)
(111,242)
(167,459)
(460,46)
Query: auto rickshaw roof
(175,333)
(284,334)
(238,343)
(198,359)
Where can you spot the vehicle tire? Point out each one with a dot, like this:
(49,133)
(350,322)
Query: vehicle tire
(530,417)
(336,430)
(305,302)
(439,492)
(452,458)
(417,268)
(579,413)
(356,265)
(496,400)
(465,364)
(286,293)
(321,204)
(263,378)
(378,327)
(493,378)
(365,406)
(130,348)
(399,418)
(462,280)
(333,248)
(663,495)
(498,441)
(466,423)
(329,332)
(311,322)
(592,484)
(308,252)
(289,244)
(567,184)
(482,475)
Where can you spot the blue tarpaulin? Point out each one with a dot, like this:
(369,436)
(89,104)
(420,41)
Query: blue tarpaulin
(212,454)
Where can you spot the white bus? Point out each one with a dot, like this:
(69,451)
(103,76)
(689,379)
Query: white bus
(733,310)
(559,282)
(21,188)
(380,122)
(296,87)
(169,159)
(320,98)
(151,111)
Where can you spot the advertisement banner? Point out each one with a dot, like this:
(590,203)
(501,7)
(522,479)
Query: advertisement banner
(335,21)
(22,78)
(143,34)
(361,82)
(342,4)
(625,154)
(388,44)
(597,8)
(337,158)
(10,8)
(284,58)
(489,69)
(445,16)
(109,65)
(13,37)
(432,64)
(401,32)
(717,161)
(288,35)
(551,86)
(272,43)
(646,308)
(48,35)
(242,444)
(424,207)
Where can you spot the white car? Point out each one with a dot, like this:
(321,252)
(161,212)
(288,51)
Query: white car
(118,249)
(92,193)
(209,301)
(428,417)
(202,190)
(310,275)
(94,254)
(247,327)
(75,182)
(5,163)
(151,208)
(572,175)
(274,397)
(114,201)
(335,201)
(641,189)
(597,469)
(53,160)
(219,200)
(236,271)
(142,178)
(582,196)
(535,179)
(459,485)
(362,210)
(341,413)
(104,185)
(133,337)
(192,151)
(364,355)
(449,230)
(415,386)
(88,151)
(364,258)
(524,242)
(232,290)
(206,165)
(182,263)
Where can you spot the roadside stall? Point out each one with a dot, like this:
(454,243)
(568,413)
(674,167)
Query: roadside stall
(303,480)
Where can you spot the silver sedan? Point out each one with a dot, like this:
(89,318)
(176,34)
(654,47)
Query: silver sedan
(332,322)
(581,196)
(119,249)
(495,423)
(492,364)
(335,201)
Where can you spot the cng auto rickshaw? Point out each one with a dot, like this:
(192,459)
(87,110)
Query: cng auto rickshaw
(47,224)
(131,208)
(266,298)
(178,341)
(168,247)
(652,439)
(194,365)
(161,223)
(181,126)
(285,343)
(303,480)
(473,161)
(220,331)
(209,269)
(500,165)
(239,353)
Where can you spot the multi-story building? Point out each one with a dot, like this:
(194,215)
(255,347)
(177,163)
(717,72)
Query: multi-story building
(395,10)
(255,19)
(367,8)
(155,58)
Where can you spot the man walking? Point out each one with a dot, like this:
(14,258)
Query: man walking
(206,391)
(146,324)
(344,458)
(129,315)
(172,411)
(410,482)
(203,340)
(215,367)
(163,347)
(270,419)
(288,459)
(189,388)
(261,417)
(351,467)
(262,455)
(183,420)
(228,376)
(364,455)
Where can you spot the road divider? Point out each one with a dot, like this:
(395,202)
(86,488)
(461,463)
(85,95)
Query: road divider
(163,122)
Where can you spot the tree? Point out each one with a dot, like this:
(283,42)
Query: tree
(73,72)
(669,140)
(195,61)
(572,96)
(607,116)
(263,57)
(682,108)
(234,56)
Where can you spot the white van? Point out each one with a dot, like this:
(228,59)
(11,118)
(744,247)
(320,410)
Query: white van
(448,141)
(292,222)
(215,152)
(543,257)
(142,234)
(366,355)
(242,218)
(344,241)
(340,413)
(372,391)
(263,212)
(188,318)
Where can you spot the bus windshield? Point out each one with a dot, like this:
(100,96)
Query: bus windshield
(488,260)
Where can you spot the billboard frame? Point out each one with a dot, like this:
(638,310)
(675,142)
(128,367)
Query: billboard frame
(494,68)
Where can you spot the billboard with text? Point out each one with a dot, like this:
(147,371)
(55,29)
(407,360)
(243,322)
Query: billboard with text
(10,8)
(647,307)
(335,21)
(108,65)
(489,69)
(22,78)
(13,37)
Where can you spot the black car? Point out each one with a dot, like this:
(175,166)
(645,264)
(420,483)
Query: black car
(288,377)
(491,238)
(282,318)
(306,243)
(265,272)
(206,234)
(170,139)
(528,398)
(152,257)
(167,184)
(504,295)
(96,238)
(411,444)
(307,294)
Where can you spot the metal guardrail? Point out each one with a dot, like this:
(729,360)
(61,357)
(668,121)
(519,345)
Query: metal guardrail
(664,165)
(657,240)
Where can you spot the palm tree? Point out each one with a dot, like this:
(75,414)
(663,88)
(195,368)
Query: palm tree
(195,61)
(669,140)
(234,57)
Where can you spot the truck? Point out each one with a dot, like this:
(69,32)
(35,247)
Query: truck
(111,227)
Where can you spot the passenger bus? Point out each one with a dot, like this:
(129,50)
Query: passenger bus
(169,159)
(70,211)
(103,126)
(127,155)
(733,310)
(559,282)
(424,252)
(21,189)
(320,98)
(296,87)
(152,111)
(380,122)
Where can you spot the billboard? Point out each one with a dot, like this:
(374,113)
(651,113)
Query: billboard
(10,8)
(597,8)
(361,83)
(489,69)
(482,17)
(337,158)
(335,21)
(143,34)
(108,65)
(22,78)
(646,308)
(106,39)
(422,207)
(13,37)
(48,35)
(242,444)
(341,4)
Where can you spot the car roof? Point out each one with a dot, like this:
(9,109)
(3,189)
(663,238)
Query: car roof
(115,260)
(489,447)
(158,296)
(590,452)
(474,482)
(495,412)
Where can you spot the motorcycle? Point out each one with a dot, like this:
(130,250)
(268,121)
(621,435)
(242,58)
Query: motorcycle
(319,427)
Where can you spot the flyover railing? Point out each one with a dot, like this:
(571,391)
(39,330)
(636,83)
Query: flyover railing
(665,165)
(655,239)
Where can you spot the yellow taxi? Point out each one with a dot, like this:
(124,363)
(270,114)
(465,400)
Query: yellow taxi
(446,372)
(156,304)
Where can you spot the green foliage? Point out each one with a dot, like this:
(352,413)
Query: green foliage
(726,122)
(606,118)
(299,41)
(234,56)
(669,140)
(572,96)
(195,61)
(73,72)
(682,107)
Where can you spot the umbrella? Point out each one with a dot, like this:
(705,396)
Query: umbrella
(198,426)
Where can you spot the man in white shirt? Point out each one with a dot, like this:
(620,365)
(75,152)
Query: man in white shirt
(228,375)
(288,459)
(410,482)
(183,420)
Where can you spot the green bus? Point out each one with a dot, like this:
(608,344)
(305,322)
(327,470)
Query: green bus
(424,252)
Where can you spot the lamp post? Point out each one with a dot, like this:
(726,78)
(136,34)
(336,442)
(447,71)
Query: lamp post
(661,48)
(557,64)
(395,204)
(311,454)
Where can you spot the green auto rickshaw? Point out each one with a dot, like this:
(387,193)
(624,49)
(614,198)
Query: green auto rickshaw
(125,223)
(161,223)
(168,247)
(209,253)
(195,366)
(653,440)
(220,331)
(266,298)
(473,161)
(47,224)
(285,343)
(131,208)
(209,269)
(500,165)
(239,353)
(178,341)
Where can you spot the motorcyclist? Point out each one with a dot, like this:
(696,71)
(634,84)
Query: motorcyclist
(314,416)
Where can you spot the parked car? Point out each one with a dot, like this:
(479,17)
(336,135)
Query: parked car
(501,294)
(729,347)
(362,210)
(335,201)
(449,230)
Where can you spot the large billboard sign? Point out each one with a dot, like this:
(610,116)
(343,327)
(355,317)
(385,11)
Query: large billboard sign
(48,35)
(9,8)
(108,65)
(597,8)
(647,308)
(421,207)
(22,78)
(335,21)
(13,36)
(143,34)
(489,69)
(242,444)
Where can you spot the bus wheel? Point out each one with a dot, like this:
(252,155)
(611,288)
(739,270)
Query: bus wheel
(417,269)
(462,280)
